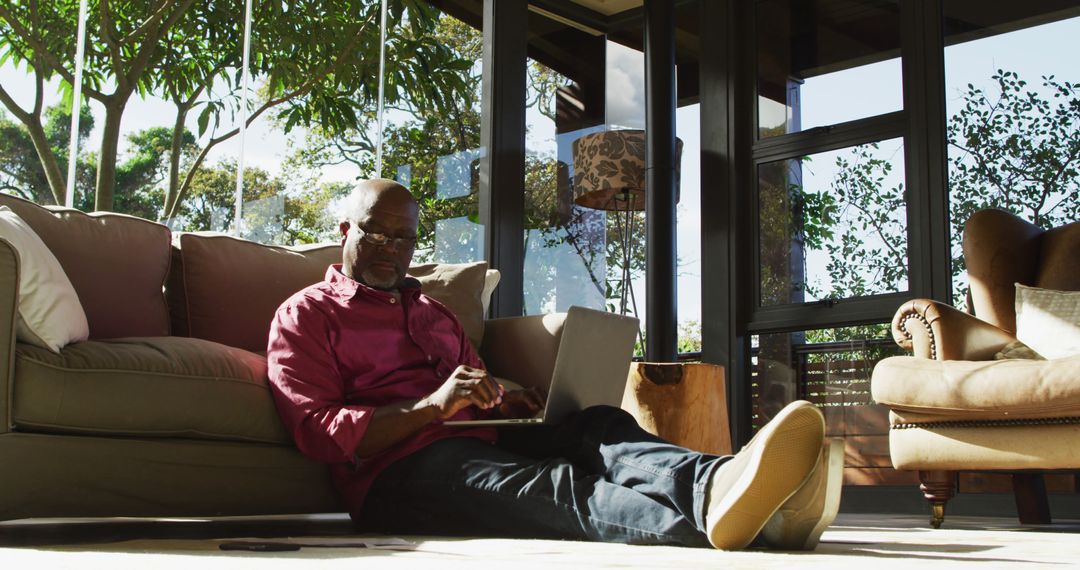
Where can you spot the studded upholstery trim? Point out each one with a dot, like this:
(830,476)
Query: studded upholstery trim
(988,423)
(926,324)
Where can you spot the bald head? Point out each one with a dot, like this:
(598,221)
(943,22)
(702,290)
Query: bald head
(375,196)
(387,214)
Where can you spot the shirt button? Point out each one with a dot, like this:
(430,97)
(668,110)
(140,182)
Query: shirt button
(429,358)
(393,300)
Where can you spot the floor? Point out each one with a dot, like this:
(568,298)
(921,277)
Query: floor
(885,541)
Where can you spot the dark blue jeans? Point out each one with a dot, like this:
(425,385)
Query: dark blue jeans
(596,476)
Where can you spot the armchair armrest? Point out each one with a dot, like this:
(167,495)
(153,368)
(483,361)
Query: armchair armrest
(9,313)
(523,349)
(931,329)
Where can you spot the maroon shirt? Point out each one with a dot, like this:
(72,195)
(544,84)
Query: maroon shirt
(339,349)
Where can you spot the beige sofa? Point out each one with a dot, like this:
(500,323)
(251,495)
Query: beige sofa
(165,410)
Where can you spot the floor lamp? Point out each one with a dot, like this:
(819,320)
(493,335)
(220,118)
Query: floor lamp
(609,174)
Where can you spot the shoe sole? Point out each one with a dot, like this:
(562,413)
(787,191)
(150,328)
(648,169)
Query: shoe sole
(834,485)
(791,451)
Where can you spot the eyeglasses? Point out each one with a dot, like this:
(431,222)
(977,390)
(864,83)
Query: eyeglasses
(383,240)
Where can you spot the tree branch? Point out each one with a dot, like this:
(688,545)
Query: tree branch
(50,59)
(104,24)
(153,36)
(145,26)
(299,91)
(12,106)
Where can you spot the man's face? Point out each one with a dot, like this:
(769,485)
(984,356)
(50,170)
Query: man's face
(380,266)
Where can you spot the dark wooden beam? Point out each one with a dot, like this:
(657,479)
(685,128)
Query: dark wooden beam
(502,138)
(661,305)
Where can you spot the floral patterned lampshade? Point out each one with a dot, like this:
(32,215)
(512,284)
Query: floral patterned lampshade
(609,170)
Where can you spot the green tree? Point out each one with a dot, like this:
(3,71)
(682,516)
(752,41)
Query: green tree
(1011,147)
(21,170)
(316,62)
(1014,148)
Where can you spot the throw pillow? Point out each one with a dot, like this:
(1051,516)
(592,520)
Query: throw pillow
(1017,350)
(491,280)
(50,315)
(1048,321)
(459,286)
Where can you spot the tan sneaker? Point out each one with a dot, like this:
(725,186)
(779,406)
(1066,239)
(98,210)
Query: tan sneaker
(799,522)
(750,487)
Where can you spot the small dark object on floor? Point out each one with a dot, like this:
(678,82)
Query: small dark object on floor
(259,546)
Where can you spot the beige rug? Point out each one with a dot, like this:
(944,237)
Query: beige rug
(871,542)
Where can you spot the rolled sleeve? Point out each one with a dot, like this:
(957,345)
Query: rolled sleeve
(308,388)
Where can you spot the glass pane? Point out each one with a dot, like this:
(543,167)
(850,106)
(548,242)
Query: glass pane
(1013,102)
(831,368)
(432,140)
(833,225)
(458,240)
(22,173)
(822,62)
(566,245)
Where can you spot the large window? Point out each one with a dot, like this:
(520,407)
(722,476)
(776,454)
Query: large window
(831,205)
(825,62)
(1012,93)
(160,132)
(831,368)
(833,225)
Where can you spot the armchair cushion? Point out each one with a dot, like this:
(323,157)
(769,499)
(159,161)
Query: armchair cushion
(920,390)
(1048,321)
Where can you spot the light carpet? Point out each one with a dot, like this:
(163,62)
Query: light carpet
(871,542)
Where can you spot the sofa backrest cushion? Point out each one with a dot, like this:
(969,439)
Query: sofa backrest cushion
(227,290)
(116,263)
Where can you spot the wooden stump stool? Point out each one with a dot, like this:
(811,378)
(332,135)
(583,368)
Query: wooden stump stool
(684,403)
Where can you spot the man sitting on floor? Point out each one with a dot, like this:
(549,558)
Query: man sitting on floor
(365,369)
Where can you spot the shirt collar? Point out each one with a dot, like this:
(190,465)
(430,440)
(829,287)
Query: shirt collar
(348,288)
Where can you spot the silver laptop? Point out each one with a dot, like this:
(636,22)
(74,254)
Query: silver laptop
(590,369)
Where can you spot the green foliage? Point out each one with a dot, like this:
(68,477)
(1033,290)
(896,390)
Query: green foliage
(21,171)
(1012,148)
(314,63)
(1017,149)
(871,255)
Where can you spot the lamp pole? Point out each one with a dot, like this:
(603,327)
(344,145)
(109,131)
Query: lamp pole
(661,308)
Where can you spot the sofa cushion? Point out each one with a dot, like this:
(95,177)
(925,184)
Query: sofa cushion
(461,287)
(116,263)
(227,290)
(919,388)
(50,315)
(161,386)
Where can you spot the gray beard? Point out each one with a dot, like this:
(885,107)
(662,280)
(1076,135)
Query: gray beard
(371,281)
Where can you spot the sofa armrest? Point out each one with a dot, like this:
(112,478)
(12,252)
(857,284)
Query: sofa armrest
(523,349)
(930,329)
(9,313)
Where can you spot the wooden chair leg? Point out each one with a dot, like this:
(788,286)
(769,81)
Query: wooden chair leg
(1029,490)
(938,487)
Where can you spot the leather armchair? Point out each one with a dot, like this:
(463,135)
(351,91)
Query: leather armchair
(953,407)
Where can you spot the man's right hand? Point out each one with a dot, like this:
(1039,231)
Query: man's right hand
(466,386)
